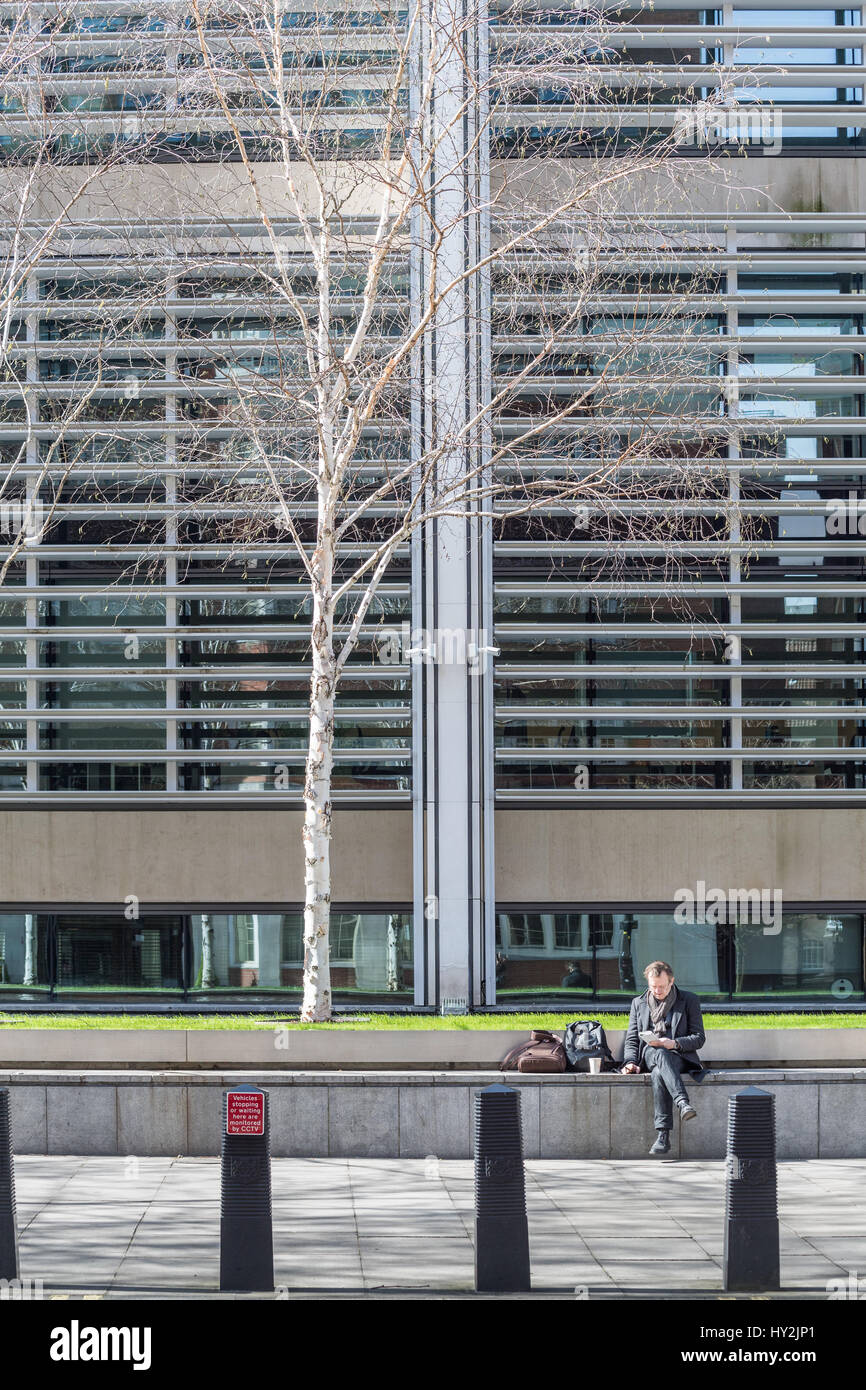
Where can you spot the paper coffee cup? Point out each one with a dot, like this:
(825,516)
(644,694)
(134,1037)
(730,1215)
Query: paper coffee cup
(595,1065)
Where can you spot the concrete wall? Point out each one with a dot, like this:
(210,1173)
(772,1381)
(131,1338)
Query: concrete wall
(542,856)
(295,1049)
(189,856)
(629,856)
(684,187)
(410,1115)
(687,186)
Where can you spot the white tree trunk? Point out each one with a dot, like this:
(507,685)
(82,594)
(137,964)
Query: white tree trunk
(393,956)
(317,804)
(207,971)
(29,949)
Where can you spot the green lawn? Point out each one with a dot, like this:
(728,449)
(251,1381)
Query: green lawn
(522,1021)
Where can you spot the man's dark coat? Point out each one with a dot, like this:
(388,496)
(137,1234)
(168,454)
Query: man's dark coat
(685,1026)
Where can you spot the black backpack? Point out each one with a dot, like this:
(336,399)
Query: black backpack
(584,1039)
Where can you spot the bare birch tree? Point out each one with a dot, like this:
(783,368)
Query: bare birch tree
(349,172)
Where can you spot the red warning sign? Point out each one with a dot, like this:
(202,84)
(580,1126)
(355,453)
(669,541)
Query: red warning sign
(245,1112)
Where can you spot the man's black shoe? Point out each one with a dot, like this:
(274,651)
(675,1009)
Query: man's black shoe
(687,1111)
(662,1144)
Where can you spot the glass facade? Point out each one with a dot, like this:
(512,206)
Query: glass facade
(654,64)
(542,956)
(159,655)
(200,958)
(816,958)
(736,671)
(169,656)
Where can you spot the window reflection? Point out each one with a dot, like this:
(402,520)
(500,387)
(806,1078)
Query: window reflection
(815,956)
(215,955)
(371,953)
(547,954)
(96,954)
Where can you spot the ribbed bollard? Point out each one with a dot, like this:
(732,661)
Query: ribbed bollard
(501,1233)
(8,1222)
(246,1226)
(751,1214)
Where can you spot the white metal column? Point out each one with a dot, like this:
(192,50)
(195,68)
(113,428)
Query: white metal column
(453,897)
(171,605)
(735,648)
(33,690)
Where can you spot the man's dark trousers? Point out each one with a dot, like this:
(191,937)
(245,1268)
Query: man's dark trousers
(665,1067)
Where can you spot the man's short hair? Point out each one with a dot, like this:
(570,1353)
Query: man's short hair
(658,967)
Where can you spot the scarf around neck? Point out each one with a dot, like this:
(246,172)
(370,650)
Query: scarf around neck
(660,1008)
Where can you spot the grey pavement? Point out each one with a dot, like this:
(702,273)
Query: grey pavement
(378,1228)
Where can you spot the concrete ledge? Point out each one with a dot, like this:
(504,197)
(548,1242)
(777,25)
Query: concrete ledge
(275,1047)
(820,1112)
(115,1047)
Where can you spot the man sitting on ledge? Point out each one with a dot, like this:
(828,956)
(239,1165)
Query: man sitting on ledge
(674,1017)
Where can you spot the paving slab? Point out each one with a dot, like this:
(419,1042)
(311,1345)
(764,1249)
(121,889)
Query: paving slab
(668,1247)
(683,1274)
(97,1227)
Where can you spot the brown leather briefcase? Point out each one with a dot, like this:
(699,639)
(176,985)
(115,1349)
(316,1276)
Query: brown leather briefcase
(543,1052)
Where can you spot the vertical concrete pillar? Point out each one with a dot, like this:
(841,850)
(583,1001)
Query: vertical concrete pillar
(453,615)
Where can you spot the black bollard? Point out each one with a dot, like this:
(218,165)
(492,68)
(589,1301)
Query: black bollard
(501,1232)
(8,1223)
(246,1226)
(751,1214)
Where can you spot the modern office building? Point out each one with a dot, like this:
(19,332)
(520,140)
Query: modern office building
(503,836)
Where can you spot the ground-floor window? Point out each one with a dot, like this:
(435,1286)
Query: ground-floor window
(816,957)
(216,956)
(371,954)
